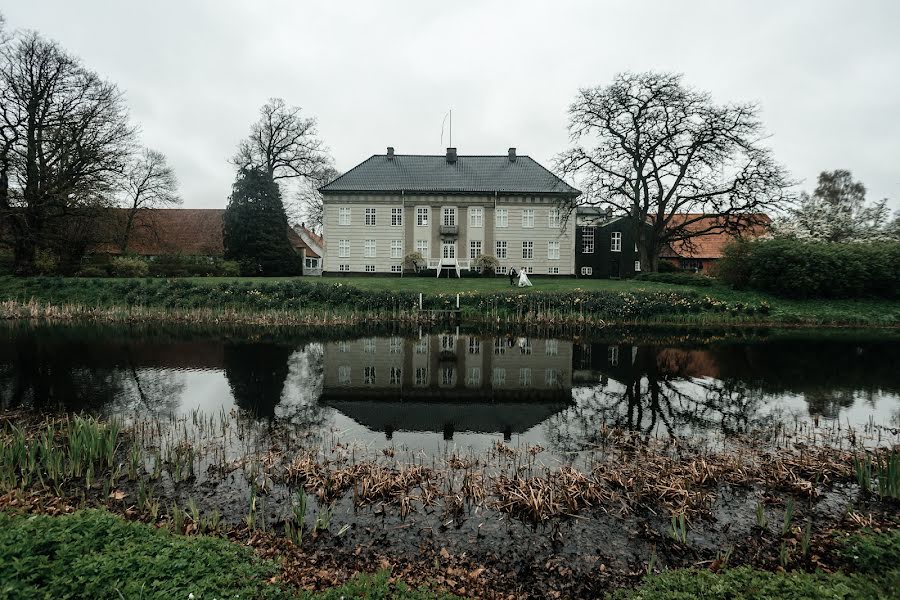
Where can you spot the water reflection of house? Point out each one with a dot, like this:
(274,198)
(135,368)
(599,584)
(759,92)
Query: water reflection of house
(448,382)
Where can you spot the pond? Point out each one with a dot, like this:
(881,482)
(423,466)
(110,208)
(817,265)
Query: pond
(432,390)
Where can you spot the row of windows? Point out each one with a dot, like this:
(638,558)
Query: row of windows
(552,377)
(448,249)
(587,241)
(590,270)
(448,217)
(448,343)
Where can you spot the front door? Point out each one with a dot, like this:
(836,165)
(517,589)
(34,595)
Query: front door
(614,272)
(448,251)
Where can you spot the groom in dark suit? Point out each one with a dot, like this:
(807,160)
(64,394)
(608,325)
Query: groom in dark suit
(512,276)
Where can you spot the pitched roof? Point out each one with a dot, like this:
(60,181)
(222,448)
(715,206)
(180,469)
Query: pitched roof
(710,245)
(315,243)
(433,174)
(160,231)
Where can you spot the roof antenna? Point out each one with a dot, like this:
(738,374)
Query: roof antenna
(444,122)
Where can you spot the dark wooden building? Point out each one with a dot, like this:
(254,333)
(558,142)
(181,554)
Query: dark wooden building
(605,245)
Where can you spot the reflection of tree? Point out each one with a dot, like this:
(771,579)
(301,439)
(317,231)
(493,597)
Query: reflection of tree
(306,378)
(150,392)
(828,402)
(648,395)
(256,373)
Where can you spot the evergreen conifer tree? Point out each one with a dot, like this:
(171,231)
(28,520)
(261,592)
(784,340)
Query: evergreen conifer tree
(256,227)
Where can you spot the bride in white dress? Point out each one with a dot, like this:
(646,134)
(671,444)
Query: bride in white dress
(523,278)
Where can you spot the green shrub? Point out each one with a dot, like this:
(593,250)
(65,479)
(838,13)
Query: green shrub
(91,271)
(805,269)
(665,266)
(677,278)
(129,266)
(45,263)
(486,265)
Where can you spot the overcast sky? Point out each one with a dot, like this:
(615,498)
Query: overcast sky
(377,74)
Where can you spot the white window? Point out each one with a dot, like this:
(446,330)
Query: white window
(396,345)
(344,374)
(500,345)
(369,247)
(474,378)
(498,377)
(637,266)
(343,267)
(422,216)
(311,263)
(476,217)
(474,248)
(525,376)
(369,376)
(615,242)
(555,219)
(528,250)
(612,355)
(474,345)
(525,346)
(396,375)
(553,250)
(396,268)
(343,346)
(422,345)
(501,249)
(344,215)
(370,345)
(501,270)
(396,248)
(370,268)
(448,250)
(449,216)
(528,217)
(501,217)
(551,376)
(587,270)
(422,248)
(587,240)
(551,348)
(553,270)
(448,343)
(421,376)
(344,248)
(447,376)
(370,216)
(396,217)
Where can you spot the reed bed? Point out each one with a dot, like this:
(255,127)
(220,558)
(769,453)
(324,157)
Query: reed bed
(627,473)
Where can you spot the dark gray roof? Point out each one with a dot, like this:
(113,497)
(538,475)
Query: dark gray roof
(433,174)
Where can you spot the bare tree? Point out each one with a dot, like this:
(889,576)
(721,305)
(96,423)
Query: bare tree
(650,147)
(284,143)
(149,182)
(65,138)
(309,198)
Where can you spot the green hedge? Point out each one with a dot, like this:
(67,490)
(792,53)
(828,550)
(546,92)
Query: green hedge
(802,269)
(298,294)
(677,278)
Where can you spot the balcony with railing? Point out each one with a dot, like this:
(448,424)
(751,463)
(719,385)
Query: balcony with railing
(449,230)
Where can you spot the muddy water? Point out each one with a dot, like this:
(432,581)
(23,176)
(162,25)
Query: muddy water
(434,391)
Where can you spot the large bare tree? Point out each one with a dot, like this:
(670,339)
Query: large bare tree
(284,143)
(64,140)
(651,147)
(311,208)
(149,182)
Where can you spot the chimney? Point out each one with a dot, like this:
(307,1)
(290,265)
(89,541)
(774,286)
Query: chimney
(451,155)
(390,154)
(512,155)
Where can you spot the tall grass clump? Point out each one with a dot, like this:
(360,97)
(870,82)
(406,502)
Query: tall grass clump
(878,472)
(58,451)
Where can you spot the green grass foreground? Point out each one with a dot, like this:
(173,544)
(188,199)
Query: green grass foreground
(94,554)
(488,300)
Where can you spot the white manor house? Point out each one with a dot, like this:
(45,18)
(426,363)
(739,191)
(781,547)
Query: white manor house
(450,208)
